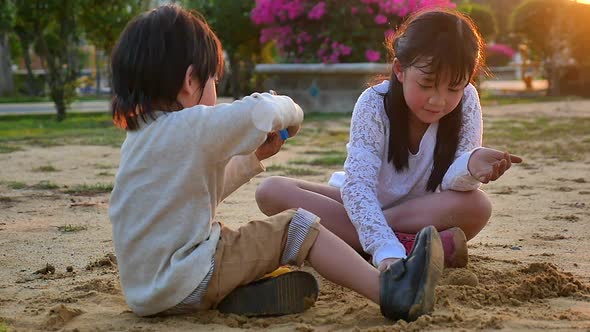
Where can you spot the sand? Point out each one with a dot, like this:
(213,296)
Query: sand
(528,270)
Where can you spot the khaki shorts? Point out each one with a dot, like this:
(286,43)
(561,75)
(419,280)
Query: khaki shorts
(248,253)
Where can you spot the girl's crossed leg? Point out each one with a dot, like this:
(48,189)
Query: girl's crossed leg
(470,211)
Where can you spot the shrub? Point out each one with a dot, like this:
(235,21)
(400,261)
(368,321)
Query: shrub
(499,54)
(333,31)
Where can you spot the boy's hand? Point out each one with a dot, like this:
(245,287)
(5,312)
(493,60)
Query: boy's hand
(488,164)
(270,147)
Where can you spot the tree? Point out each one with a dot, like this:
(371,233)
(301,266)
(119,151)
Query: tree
(7,14)
(502,11)
(484,18)
(558,30)
(23,29)
(103,22)
(54,24)
(230,19)
(533,19)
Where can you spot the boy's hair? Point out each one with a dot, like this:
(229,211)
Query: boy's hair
(445,42)
(150,60)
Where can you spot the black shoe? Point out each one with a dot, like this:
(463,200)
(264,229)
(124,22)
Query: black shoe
(288,293)
(407,287)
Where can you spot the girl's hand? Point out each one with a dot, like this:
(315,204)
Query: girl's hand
(488,164)
(385,263)
(270,147)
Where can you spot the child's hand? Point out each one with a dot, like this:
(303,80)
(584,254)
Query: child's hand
(488,164)
(385,263)
(270,147)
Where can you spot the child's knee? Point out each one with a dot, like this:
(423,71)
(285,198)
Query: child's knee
(481,205)
(270,188)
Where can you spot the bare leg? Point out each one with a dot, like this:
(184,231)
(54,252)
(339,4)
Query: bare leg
(338,262)
(468,210)
(322,200)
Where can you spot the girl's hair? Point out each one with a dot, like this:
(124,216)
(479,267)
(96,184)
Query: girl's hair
(150,60)
(442,41)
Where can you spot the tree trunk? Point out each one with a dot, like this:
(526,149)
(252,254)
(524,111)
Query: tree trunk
(98,75)
(31,85)
(25,44)
(6,79)
(235,82)
(60,103)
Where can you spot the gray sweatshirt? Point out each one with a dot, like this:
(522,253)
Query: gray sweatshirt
(173,173)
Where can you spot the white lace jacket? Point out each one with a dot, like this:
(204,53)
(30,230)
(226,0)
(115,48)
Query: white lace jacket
(371,183)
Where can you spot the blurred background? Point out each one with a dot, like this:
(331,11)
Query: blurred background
(57,51)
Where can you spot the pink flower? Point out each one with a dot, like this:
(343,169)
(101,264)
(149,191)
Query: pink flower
(502,49)
(311,30)
(346,50)
(380,19)
(372,55)
(317,11)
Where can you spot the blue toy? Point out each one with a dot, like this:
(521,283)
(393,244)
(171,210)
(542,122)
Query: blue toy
(284,133)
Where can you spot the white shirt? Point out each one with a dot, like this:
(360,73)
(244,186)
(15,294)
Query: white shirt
(370,183)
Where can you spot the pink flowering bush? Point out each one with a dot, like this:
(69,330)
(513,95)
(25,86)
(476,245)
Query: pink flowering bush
(333,31)
(499,54)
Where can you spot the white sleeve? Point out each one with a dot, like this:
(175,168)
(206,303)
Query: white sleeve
(226,130)
(359,190)
(457,176)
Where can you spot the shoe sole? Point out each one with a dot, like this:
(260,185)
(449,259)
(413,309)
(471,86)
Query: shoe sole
(460,257)
(425,296)
(289,293)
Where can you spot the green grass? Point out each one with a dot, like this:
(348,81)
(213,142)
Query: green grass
(326,160)
(30,99)
(14,184)
(45,185)
(3,326)
(488,99)
(6,148)
(71,228)
(90,189)
(105,174)
(45,169)
(565,139)
(104,166)
(44,130)
(292,171)
(326,116)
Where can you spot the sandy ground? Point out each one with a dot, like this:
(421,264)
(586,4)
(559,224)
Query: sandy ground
(528,270)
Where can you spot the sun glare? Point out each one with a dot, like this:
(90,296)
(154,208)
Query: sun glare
(584,1)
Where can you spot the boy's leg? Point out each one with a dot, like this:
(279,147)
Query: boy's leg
(405,290)
(405,293)
(248,253)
